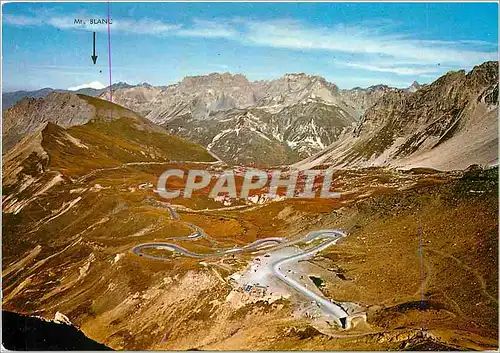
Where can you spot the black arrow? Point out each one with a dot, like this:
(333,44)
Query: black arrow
(94,57)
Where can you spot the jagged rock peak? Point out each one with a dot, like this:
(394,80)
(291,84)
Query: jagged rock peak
(215,78)
(486,73)
(415,86)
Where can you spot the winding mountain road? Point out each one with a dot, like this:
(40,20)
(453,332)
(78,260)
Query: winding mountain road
(173,247)
(332,308)
(331,235)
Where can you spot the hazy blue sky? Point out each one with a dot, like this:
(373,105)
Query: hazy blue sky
(349,44)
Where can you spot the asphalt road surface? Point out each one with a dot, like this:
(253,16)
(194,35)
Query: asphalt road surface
(335,310)
(331,236)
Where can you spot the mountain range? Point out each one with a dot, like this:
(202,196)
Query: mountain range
(64,136)
(272,122)
(303,120)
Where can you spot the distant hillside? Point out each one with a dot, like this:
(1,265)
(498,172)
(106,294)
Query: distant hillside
(304,119)
(273,122)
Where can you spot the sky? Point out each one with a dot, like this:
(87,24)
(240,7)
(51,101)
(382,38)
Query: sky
(349,44)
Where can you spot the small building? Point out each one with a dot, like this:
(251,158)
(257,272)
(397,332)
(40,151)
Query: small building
(259,290)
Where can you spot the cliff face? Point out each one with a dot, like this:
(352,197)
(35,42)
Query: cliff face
(448,124)
(78,194)
(360,99)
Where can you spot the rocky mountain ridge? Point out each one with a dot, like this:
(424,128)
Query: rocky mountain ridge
(67,136)
(307,120)
(448,124)
(203,95)
(79,193)
(292,117)
(265,122)
(61,108)
(11,98)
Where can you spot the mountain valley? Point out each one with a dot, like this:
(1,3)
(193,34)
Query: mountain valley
(80,192)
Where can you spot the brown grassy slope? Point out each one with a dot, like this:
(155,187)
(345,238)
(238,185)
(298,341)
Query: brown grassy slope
(110,144)
(80,264)
(381,264)
(114,136)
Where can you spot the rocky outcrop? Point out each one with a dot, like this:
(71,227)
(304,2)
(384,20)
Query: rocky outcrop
(447,124)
